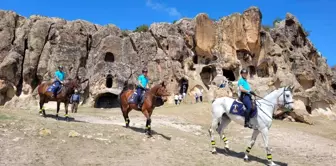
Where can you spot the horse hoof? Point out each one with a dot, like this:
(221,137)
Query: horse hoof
(214,152)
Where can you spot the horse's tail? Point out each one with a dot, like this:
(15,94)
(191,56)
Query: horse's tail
(125,88)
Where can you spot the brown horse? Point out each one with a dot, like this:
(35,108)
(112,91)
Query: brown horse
(63,97)
(153,97)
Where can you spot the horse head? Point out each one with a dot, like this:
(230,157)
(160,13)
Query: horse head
(286,97)
(161,90)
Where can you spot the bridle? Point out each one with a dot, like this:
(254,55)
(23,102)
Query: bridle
(274,104)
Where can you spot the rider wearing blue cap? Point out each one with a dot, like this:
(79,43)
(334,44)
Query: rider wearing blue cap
(245,93)
(142,85)
(59,78)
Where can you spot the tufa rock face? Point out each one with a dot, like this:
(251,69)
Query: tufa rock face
(203,51)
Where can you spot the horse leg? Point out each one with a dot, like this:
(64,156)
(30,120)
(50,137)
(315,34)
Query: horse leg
(213,127)
(253,139)
(223,125)
(264,133)
(148,123)
(66,105)
(126,118)
(42,111)
(57,110)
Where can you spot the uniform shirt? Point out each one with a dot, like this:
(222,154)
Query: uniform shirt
(243,82)
(143,80)
(60,75)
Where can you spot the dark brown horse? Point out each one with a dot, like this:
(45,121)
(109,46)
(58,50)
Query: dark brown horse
(154,97)
(63,97)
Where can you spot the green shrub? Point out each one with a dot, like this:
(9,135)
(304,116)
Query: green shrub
(141,28)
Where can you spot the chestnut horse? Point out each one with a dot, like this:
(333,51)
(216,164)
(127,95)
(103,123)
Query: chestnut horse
(67,90)
(156,96)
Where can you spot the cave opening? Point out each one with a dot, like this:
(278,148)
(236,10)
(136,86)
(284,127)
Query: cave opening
(252,71)
(107,100)
(229,74)
(208,73)
(262,71)
(109,57)
(109,81)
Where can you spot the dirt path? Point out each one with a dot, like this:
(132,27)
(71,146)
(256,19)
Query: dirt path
(180,138)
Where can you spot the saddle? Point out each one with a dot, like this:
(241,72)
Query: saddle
(133,97)
(52,87)
(238,108)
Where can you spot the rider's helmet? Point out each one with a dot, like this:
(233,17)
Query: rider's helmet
(144,70)
(60,67)
(243,71)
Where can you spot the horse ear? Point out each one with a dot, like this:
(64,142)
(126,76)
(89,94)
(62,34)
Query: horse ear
(292,88)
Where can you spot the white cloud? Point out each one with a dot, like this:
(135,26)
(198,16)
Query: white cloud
(172,11)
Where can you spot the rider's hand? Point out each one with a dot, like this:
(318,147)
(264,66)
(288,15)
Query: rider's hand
(252,93)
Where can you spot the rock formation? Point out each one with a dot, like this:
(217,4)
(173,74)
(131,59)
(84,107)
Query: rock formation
(200,50)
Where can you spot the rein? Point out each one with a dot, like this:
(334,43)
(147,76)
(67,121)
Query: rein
(274,104)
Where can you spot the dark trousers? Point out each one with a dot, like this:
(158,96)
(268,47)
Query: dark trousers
(201,98)
(176,101)
(57,87)
(247,100)
(139,91)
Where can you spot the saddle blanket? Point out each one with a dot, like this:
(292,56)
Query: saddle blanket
(133,98)
(238,108)
(52,87)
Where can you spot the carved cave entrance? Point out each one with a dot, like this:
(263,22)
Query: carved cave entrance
(107,100)
(109,81)
(208,73)
(229,74)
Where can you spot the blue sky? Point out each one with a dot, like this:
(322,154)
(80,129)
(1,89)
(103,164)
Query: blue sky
(317,16)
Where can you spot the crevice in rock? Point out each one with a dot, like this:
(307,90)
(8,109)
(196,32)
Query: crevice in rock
(158,42)
(333,85)
(322,78)
(36,80)
(14,30)
(309,109)
(133,45)
(20,83)
(229,74)
(251,71)
(275,68)
(95,26)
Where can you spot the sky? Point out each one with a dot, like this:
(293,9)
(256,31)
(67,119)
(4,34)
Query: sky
(317,16)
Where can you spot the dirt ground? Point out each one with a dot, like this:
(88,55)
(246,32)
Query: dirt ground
(98,137)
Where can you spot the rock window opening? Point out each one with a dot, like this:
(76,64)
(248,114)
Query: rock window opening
(109,57)
(229,74)
(109,81)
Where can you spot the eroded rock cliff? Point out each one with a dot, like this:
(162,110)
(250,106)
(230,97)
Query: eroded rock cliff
(201,50)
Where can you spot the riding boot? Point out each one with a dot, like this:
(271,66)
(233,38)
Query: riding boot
(247,119)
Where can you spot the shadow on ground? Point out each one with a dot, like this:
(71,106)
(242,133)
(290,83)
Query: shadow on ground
(141,130)
(241,155)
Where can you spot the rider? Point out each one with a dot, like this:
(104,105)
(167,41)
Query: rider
(59,78)
(245,95)
(142,85)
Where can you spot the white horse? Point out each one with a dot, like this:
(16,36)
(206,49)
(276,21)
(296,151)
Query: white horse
(261,123)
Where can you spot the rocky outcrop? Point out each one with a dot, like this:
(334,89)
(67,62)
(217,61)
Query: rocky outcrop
(204,51)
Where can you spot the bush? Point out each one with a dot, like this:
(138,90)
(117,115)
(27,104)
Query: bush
(277,20)
(141,28)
